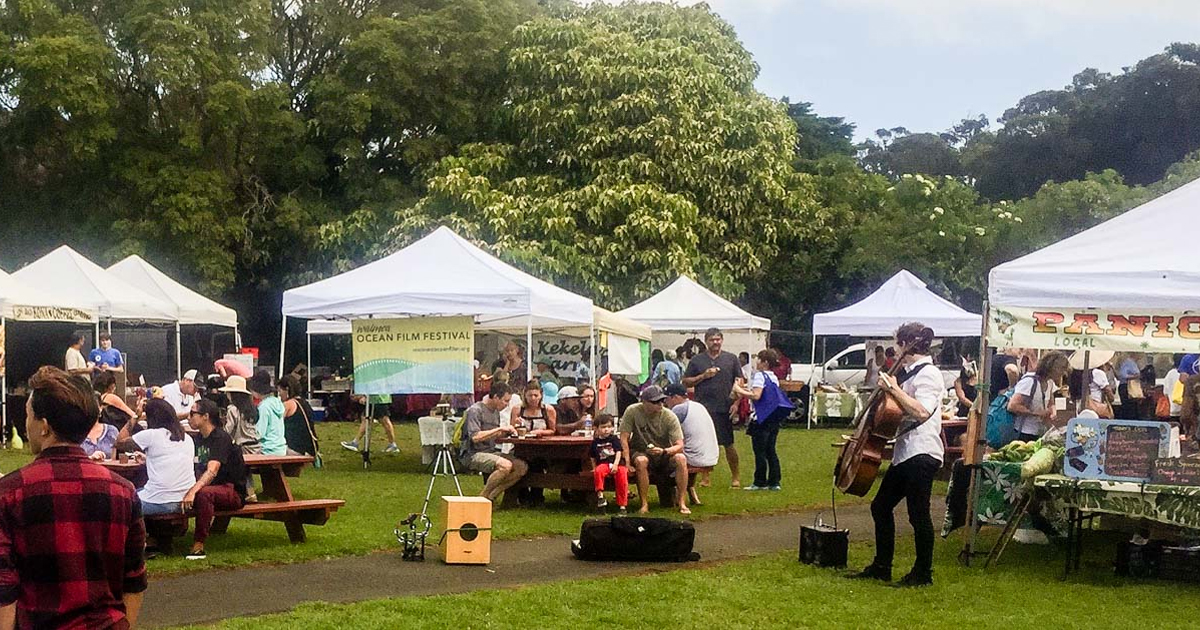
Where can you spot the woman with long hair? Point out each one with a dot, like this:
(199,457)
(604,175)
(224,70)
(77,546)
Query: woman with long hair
(113,410)
(1032,402)
(169,452)
(539,418)
(298,428)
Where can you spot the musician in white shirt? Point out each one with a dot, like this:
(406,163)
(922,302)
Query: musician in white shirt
(916,459)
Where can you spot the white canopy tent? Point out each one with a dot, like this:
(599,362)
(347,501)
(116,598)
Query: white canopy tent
(441,274)
(19,301)
(192,308)
(1143,259)
(903,298)
(66,276)
(685,309)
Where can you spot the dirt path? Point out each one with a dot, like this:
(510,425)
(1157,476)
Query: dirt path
(214,595)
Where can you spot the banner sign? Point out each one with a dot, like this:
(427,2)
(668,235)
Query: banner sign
(419,355)
(1092,329)
(50,314)
(567,356)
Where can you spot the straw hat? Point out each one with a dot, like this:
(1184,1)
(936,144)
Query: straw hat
(235,384)
(1098,358)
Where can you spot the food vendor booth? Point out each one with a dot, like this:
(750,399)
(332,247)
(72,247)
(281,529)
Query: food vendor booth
(903,298)
(1083,295)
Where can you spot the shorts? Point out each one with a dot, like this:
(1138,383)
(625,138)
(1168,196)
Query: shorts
(724,427)
(657,465)
(380,411)
(485,463)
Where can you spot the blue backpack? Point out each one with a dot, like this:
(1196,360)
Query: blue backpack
(1001,428)
(773,405)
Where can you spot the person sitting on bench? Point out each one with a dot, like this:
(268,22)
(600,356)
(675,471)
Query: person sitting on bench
(653,440)
(700,444)
(481,429)
(220,471)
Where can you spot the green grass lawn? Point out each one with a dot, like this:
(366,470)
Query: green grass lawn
(1024,591)
(395,486)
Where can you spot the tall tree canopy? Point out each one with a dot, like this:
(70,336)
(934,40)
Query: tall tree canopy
(634,148)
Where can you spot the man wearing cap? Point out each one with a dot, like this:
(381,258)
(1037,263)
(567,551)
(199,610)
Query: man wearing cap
(569,410)
(182,394)
(652,439)
(699,435)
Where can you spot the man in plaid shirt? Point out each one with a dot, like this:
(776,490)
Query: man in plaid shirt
(72,540)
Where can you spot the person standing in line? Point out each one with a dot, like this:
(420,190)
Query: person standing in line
(106,358)
(1032,403)
(916,458)
(712,374)
(764,432)
(381,410)
(74,362)
(666,371)
(72,539)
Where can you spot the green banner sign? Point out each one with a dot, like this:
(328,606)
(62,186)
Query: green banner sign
(419,355)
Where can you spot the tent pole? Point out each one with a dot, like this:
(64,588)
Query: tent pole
(282,344)
(529,348)
(109,329)
(592,376)
(237,339)
(178,352)
(308,357)
(812,397)
(972,453)
(96,339)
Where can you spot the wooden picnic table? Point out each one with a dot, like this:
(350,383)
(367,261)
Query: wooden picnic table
(569,464)
(273,470)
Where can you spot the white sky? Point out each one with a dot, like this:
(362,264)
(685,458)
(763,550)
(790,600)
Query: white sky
(926,64)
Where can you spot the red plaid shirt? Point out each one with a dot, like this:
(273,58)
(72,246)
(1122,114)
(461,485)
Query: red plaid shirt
(72,541)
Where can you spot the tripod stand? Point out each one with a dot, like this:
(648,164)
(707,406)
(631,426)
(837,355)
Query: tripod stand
(418,524)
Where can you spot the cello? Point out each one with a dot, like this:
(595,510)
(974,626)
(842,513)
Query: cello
(878,422)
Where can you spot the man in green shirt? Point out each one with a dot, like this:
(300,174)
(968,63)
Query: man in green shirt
(652,439)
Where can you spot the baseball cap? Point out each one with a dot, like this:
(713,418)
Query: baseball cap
(192,375)
(652,394)
(570,391)
(1189,364)
(675,389)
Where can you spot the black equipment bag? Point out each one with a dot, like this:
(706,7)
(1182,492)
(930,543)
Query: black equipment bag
(635,538)
(823,545)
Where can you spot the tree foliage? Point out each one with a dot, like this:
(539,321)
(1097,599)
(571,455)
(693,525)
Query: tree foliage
(635,148)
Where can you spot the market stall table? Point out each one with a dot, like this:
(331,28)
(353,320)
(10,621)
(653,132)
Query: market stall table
(1171,505)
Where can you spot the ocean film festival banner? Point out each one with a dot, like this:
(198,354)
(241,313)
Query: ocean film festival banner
(1070,329)
(419,355)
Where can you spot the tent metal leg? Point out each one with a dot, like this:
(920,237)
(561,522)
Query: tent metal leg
(593,377)
(529,348)
(812,383)
(282,345)
(178,353)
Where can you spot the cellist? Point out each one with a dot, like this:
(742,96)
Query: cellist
(918,389)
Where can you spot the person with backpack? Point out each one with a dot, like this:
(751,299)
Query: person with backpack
(1032,402)
(771,408)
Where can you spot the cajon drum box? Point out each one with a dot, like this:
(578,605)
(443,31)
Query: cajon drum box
(468,530)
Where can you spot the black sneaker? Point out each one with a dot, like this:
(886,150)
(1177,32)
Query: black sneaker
(915,580)
(872,572)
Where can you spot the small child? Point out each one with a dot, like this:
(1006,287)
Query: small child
(606,456)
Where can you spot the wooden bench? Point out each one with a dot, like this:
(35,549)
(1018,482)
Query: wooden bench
(666,485)
(162,528)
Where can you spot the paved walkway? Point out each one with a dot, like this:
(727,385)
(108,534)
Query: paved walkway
(214,595)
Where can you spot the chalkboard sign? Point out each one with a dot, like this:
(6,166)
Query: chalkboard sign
(1130,451)
(1116,450)
(1177,472)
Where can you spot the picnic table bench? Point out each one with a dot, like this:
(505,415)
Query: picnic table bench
(570,468)
(276,502)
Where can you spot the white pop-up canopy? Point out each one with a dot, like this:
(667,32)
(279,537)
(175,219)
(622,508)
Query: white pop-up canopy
(686,306)
(21,301)
(1144,259)
(441,274)
(903,298)
(66,276)
(193,308)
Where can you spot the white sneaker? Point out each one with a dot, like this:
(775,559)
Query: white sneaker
(352,445)
(392,448)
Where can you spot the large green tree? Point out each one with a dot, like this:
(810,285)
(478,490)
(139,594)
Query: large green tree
(634,148)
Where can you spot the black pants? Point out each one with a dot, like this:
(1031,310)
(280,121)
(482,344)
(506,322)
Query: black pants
(766,459)
(912,480)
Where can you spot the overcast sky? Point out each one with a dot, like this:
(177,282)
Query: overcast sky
(926,64)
